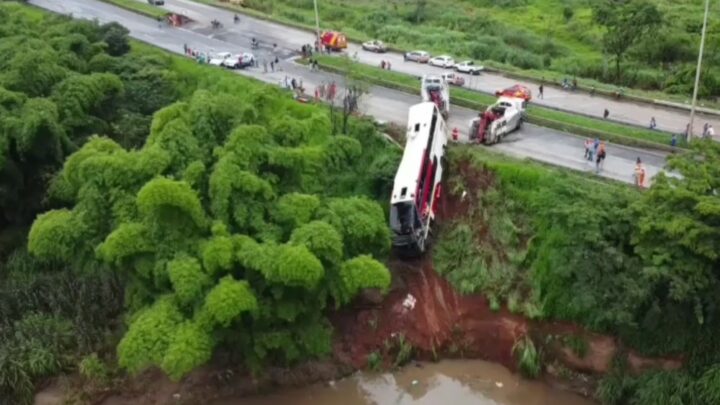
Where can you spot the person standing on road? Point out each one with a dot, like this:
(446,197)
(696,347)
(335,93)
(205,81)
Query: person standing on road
(606,114)
(272,66)
(388,65)
(710,132)
(264,65)
(588,145)
(639,173)
(600,157)
(653,123)
(540,90)
(382,64)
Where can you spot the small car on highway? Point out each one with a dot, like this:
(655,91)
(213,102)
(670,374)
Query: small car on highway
(240,61)
(454,79)
(374,46)
(219,58)
(156,2)
(417,56)
(470,67)
(442,61)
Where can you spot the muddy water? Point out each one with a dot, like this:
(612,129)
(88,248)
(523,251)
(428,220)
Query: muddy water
(456,382)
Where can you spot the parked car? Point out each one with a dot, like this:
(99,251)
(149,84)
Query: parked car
(469,66)
(240,61)
(442,61)
(454,79)
(417,56)
(156,2)
(219,58)
(374,46)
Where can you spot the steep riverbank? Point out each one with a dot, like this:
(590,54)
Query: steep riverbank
(423,318)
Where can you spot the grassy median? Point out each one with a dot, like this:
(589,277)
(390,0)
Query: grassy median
(576,124)
(139,7)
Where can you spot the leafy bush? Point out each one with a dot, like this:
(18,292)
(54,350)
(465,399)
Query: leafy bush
(245,255)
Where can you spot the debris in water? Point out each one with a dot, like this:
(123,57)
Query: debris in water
(464,194)
(176,396)
(498,384)
(415,382)
(331,383)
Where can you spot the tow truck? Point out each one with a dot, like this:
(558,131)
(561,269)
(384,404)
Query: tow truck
(435,89)
(501,118)
(417,189)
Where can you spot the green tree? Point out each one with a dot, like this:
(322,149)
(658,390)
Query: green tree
(678,233)
(626,22)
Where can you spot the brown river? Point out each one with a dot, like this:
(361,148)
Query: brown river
(449,382)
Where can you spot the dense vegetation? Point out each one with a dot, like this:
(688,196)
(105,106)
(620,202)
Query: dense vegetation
(642,266)
(648,44)
(187,210)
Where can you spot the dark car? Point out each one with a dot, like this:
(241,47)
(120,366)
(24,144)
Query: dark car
(156,2)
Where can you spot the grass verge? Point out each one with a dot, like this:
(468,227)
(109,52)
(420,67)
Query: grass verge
(566,122)
(138,7)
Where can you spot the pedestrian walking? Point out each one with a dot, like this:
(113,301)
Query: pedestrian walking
(606,114)
(710,132)
(673,142)
(540,91)
(322,90)
(264,66)
(317,94)
(388,65)
(272,66)
(705,128)
(639,173)
(382,64)
(315,62)
(588,145)
(159,21)
(574,83)
(293,83)
(599,163)
(185,49)
(653,123)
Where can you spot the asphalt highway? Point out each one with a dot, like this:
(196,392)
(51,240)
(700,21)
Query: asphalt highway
(639,114)
(383,104)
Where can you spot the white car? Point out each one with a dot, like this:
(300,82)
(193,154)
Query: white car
(442,61)
(239,61)
(219,58)
(469,66)
(374,46)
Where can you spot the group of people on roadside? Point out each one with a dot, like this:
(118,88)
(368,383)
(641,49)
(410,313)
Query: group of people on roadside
(385,64)
(325,91)
(595,151)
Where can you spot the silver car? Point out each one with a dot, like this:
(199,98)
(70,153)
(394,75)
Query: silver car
(417,56)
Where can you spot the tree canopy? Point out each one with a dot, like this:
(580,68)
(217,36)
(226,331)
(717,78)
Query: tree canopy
(221,223)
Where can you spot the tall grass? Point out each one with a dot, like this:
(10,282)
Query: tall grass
(528,357)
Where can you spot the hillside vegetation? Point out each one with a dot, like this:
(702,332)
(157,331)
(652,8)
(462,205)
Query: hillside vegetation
(642,266)
(183,210)
(656,40)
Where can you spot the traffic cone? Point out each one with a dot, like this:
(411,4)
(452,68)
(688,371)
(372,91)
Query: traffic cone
(455,134)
